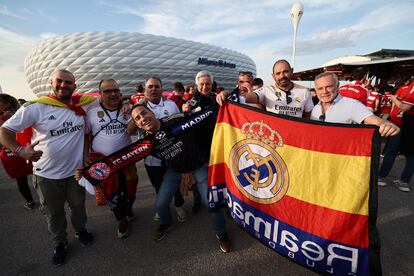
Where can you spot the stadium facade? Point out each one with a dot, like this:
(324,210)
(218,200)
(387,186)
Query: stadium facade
(130,58)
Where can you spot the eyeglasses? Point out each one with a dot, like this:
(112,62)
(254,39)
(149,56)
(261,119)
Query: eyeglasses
(245,73)
(109,91)
(153,86)
(288,97)
(322,118)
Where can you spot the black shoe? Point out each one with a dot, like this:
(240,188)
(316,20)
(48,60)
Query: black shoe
(85,238)
(225,244)
(162,231)
(30,205)
(59,255)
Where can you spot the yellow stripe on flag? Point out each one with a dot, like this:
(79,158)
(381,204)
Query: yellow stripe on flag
(311,173)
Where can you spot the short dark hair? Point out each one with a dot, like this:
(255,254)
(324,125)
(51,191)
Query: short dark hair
(100,83)
(214,87)
(13,104)
(178,86)
(139,88)
(257,81)
(153,77)
(188,87)
(359,73)
(280,61)
(144,105)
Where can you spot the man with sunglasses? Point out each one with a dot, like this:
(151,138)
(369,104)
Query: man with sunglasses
(107,133)
(334,108)
(284,97)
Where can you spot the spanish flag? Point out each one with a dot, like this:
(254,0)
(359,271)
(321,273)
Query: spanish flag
(306,189)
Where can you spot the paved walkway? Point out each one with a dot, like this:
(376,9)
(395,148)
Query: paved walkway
(189,249)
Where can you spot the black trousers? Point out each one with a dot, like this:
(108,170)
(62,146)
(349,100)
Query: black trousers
(24,188)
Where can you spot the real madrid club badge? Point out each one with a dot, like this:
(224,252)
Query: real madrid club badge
(100,114)
(258,171)
(298,99)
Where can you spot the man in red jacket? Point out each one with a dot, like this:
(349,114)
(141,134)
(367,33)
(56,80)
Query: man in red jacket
(356,89)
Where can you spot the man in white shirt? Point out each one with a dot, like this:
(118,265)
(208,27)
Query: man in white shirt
(334,108)
(107,133)
(58,136)
(284,97)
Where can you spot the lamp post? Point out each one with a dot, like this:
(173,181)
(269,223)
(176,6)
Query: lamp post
(296,13)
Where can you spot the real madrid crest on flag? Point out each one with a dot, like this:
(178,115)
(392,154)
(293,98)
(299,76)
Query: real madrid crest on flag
(258,171)
(289,183)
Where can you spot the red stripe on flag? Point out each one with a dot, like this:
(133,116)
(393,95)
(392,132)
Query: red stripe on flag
(351,229)
(319,138)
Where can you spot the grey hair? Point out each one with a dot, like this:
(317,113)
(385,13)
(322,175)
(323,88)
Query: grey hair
(328,74)
(203,74)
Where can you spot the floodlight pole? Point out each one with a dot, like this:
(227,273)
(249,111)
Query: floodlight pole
(296,13)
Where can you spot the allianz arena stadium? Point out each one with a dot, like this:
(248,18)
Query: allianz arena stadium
(130,58)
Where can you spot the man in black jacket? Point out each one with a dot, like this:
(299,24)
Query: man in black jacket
(180,148)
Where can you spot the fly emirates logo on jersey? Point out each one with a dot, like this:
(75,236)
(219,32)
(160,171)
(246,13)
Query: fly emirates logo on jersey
(67,127)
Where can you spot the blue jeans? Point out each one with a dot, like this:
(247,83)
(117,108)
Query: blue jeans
(169,186)
(391,152)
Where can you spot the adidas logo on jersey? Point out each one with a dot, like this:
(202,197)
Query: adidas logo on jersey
(51,117)
(102,120)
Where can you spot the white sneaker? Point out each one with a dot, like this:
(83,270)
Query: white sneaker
(181,214)
(381,182)
(156,217)
(402,186)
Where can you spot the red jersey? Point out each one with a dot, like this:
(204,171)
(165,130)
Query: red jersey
(179,101)
(385,104)
(372,98)
(136,98)
(188,96)
(354,90)
(405,94)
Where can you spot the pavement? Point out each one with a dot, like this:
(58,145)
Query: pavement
(189,249)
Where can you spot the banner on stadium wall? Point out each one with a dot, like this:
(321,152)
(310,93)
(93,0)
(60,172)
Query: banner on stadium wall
(304,188)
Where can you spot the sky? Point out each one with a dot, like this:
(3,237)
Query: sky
(261,29)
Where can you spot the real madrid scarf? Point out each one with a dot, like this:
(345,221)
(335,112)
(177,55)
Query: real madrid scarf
(102,169)
(78,100)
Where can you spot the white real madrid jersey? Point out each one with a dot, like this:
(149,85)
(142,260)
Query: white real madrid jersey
(276,101)
(60,133)
(108,129)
